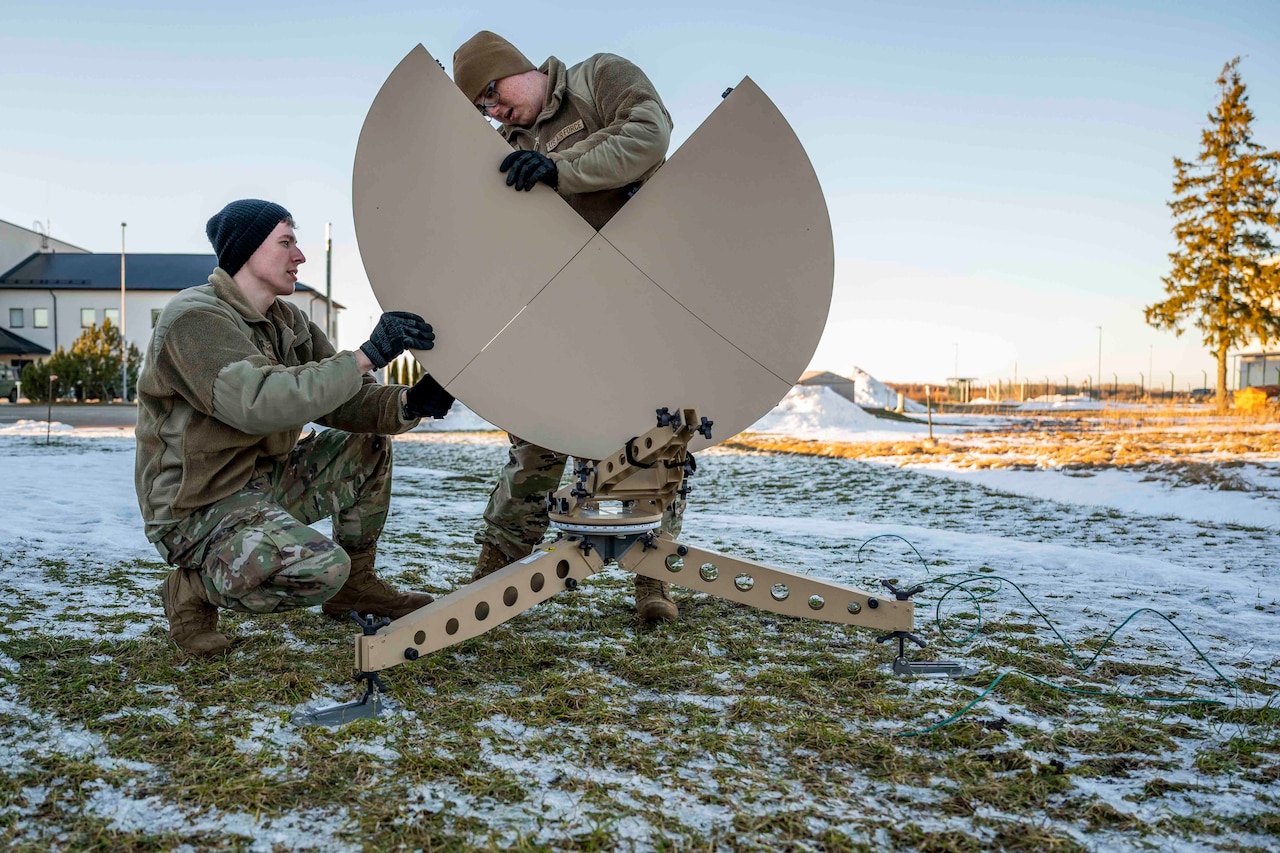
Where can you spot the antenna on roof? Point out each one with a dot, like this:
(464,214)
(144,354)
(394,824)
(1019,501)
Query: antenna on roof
(43,231)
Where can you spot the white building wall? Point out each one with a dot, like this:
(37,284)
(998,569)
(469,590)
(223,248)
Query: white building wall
(137,316)
(1259,370)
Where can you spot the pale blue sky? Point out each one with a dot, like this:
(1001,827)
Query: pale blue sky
(997,172)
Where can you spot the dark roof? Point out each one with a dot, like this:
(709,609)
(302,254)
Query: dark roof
(11,344)
(67,271)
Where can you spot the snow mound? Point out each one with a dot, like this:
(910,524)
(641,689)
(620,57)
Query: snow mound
(870,391)
(818,412)
(30,427)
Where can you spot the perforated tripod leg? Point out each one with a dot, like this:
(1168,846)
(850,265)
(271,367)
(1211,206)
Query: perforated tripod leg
(766,587)
(475,608)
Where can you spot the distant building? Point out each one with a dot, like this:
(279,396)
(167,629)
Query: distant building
(842,385)
(1258,368)
(54,290)
(18,244)
(960,388)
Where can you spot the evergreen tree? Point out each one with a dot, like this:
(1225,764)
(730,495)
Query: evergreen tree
(1224,208)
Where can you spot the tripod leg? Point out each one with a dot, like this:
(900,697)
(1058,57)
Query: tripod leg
(766,587)
(475,608)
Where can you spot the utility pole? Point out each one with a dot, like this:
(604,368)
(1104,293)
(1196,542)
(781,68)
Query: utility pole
(124,344)
(1151,349)
(328,282)
(1099,363)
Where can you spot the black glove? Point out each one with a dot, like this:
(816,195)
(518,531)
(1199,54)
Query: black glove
(426,399)
(396,332)
(527,168)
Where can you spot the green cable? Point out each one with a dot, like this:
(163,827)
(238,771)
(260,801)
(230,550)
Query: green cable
(893,536)
(1081,665)
(963,585)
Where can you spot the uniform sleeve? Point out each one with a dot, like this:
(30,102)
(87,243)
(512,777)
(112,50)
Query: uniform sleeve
(373,408)
(210,362)
(633,140)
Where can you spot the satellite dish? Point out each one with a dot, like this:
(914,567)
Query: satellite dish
(709,289)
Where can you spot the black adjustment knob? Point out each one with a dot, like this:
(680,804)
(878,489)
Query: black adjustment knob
(411,653)
(570,583)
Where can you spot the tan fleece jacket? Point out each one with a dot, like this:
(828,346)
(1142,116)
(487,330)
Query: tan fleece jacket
(224,387)
(606,129)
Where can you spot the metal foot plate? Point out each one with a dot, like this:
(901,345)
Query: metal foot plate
(334,716)
(948,668)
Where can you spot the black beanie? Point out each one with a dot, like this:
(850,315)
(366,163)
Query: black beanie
(238,230)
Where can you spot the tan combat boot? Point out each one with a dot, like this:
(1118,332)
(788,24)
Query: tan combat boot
(193,621)
(365,592)
(653,604)
(492,558)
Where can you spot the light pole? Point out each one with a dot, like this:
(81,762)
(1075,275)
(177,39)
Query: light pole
(1172,389)
(1150,350)
(48,415)
(1099,374)
(328,281)
(124,345)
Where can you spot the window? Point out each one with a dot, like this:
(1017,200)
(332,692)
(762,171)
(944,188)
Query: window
(112,314)
(88,317)
(15,318)
(40,318)
(155,316)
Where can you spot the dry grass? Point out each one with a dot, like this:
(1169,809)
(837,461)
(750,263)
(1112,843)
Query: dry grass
(1198,444)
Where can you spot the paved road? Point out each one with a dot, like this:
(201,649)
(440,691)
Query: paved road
(75,414)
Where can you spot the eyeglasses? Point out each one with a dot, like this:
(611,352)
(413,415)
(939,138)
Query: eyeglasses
(489,99)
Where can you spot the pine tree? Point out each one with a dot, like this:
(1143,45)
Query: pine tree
(1224,208)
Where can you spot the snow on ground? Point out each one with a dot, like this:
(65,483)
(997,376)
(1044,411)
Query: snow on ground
(78,492)
(1202,553)
(1127,491)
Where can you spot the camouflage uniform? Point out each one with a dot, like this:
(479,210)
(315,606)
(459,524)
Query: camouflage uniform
(254,550)
(516,515)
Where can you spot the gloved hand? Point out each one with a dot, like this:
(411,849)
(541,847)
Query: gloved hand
(526,168)
(426,399)
(396,332)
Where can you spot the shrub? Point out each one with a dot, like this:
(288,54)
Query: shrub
(90,370)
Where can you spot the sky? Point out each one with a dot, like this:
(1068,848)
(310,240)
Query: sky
(997,173)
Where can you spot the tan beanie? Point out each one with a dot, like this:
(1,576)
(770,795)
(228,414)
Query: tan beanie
(483,58)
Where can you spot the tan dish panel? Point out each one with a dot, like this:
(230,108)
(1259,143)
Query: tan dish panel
(710,289)
(603,369)
(440,233)
(735,227)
